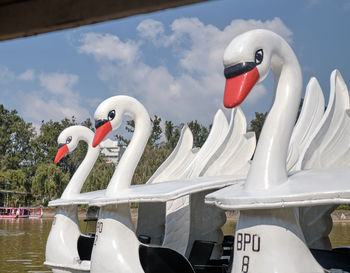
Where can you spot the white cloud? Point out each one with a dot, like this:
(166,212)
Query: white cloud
(6,75)
(151,29)
(56,101)
(196,90)
(27,75)
(110,47)
(58,83)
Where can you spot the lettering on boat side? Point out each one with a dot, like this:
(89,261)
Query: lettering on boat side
(245,264)
(99,228)
(247,242)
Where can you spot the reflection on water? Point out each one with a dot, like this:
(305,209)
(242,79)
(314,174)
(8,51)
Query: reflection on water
(340,235)
(22,242)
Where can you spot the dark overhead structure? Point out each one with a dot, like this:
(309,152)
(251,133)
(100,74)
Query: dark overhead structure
(21,18)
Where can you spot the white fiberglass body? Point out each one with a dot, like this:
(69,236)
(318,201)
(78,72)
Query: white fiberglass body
(268,235)
(62,244)
(114,228)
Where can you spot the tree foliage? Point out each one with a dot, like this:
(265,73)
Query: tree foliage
(26,156)
(99,176)
(257,123)
(15,140)
(49,181)
(172,133)
(200,133)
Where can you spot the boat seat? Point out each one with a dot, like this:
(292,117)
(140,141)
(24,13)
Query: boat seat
(200,258)
(344,249)
(85,245)
(332,259)
(144,239)
(211,269)
(227,247)
(156,259)
(201,252)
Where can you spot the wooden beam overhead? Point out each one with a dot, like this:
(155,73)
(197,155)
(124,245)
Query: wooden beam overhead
(21,18)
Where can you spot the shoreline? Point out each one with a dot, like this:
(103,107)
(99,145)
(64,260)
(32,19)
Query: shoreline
(338,216)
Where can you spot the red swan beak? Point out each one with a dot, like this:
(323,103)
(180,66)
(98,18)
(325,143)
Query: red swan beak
(101,132)
(62,151)
(238,84)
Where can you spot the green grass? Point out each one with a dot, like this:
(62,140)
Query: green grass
(344,207)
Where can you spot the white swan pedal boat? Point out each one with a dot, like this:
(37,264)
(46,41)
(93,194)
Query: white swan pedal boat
(269,237)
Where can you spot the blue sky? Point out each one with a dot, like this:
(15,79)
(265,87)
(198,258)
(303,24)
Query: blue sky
(170,60)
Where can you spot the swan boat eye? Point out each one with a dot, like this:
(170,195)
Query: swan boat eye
(68,140)
(259,55)
(111,115)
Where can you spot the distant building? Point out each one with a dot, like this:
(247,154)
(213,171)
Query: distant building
(111,151)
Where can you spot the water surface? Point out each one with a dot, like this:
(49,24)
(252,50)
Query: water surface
(22,242)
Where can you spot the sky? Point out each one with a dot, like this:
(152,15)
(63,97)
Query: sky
(171,60)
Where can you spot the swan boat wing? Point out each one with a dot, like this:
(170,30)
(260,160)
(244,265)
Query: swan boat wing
(304,188)
(166,191)
(78,199)
(178,159)
(234,154)
(310,116)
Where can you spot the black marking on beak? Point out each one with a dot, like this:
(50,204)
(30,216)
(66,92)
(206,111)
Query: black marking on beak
(100,122)
(238,69)
(60,145)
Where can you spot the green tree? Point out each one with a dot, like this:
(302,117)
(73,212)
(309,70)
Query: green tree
(257,123)
(15,140)
(99,176)
(18,182)
(87,123)
(151,159)
(156,131)
(172,133)
(49,181)
(200,133)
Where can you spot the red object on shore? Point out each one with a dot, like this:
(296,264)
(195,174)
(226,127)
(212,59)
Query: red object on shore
(20,212)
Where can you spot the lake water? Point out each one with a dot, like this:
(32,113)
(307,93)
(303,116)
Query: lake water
(22,242)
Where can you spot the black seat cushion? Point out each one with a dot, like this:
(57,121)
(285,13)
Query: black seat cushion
(332,259)
(85,244)
(155,259)
(201,252)
(211,268)
(144,239)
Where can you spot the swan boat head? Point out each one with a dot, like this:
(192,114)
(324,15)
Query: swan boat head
(247,61)
(109,116)
(68,141)
(69,138)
